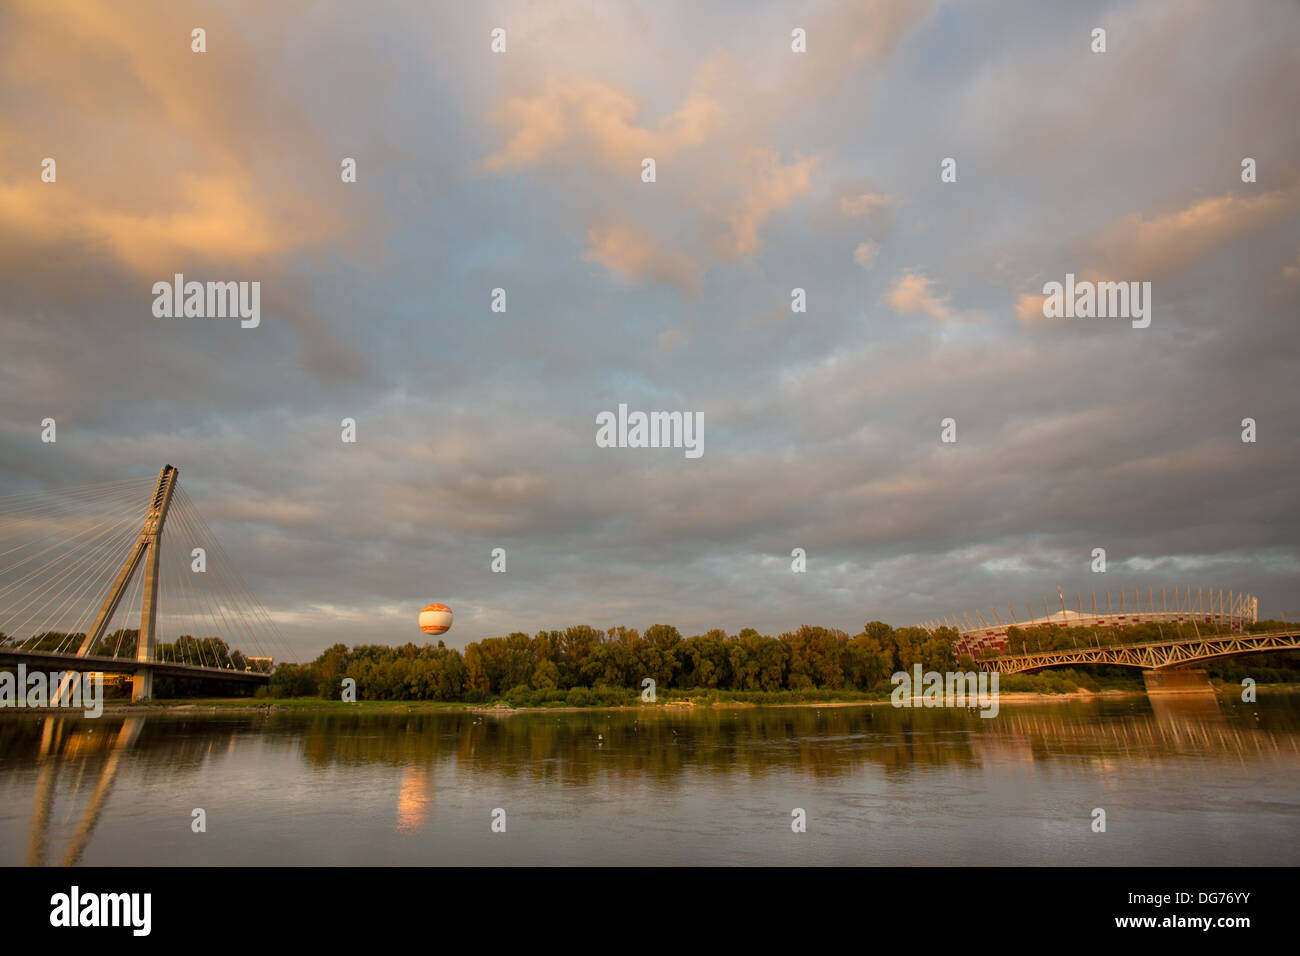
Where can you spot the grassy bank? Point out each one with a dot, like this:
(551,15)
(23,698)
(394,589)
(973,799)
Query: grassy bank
(1018,688)
(308,705)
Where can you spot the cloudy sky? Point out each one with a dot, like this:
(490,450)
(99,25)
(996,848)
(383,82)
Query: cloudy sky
(774,170)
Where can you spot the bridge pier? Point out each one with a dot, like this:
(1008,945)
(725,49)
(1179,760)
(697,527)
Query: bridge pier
(142,684)
(1177,680)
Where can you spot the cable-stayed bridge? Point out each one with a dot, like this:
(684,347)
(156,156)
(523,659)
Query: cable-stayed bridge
(126,577)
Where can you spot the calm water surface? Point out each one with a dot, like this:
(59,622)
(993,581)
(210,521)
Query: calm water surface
(1183,781)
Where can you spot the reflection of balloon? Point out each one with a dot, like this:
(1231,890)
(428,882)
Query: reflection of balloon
(435,619)
(415,799)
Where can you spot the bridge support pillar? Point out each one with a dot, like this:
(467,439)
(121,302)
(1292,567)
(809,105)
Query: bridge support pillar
(1178,680)
(142,684)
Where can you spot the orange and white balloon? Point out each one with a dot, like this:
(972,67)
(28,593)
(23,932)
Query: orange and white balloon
(435,619)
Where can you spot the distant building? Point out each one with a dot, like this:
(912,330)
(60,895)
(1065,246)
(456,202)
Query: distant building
(260,665)
(1231,609)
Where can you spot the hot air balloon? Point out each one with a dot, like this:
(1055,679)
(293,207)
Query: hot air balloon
(435,619)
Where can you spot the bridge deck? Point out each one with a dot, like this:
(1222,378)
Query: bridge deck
(48,661)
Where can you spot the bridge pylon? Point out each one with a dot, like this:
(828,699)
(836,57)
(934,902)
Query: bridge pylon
(145,552)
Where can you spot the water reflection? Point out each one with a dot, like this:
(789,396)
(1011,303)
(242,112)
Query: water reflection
(88,755)
(415,799)
(60,745)
(575,747)
(392,772)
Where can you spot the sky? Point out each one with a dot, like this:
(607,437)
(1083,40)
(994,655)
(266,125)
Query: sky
(774,170)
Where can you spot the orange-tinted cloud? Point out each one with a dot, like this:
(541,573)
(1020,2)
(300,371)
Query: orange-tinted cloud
(601,120)
(154,143)
(1142,247)
(1145,247)
(865,254)
(1029,307)
(213,217)
(766,186)
(721,178)
(864,204)
(914,293)
(636,256)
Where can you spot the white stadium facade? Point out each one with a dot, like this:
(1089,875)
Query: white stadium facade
(1229,608)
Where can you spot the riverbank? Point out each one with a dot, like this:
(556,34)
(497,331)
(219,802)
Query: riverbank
(312,705)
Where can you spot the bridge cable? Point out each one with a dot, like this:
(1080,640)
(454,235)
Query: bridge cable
(69,572)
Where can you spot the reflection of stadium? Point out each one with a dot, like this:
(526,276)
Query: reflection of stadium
(1232,609)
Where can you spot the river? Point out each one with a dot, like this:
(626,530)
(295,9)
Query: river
(1182,781)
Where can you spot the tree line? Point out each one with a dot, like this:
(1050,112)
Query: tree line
(579,658)
(583,664)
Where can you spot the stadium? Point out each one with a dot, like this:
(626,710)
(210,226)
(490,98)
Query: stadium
(1231,609)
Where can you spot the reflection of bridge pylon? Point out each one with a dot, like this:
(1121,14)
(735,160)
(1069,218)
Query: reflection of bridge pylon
(51,759)
(146,549)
